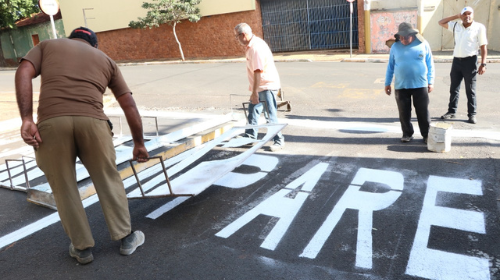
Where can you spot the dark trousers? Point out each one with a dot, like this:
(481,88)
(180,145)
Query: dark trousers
(463,69)
(421,104)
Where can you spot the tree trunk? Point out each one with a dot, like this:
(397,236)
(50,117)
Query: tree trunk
(2,59)
(179,43)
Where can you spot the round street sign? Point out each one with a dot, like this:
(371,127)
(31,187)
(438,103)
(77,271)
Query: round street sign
(49,7)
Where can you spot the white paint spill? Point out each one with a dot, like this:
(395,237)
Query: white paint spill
(373,127)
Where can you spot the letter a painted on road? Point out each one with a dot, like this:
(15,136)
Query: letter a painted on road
(280,206)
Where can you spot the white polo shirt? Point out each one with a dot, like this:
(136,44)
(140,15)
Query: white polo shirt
(468,40)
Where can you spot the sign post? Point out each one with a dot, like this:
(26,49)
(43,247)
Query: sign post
(350,19)
(50,7)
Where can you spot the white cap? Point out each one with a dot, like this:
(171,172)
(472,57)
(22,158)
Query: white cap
(467,9)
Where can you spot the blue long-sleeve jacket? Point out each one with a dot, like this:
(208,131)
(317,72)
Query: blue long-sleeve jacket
(412,65)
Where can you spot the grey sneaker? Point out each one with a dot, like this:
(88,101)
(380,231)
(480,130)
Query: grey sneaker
(131,242)
(406,138)
(472,119)
(448,116)
(82,256)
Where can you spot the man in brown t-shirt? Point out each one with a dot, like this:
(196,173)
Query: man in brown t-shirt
(71,123)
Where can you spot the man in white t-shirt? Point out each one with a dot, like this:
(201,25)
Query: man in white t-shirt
(469,36)
(264,81)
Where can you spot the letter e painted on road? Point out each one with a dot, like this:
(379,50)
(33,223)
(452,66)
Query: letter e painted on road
(366,203)
(436,264)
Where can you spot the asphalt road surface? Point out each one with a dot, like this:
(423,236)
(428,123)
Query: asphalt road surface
(345,199)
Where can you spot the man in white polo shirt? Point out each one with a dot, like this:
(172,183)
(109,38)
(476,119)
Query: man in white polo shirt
(469,36)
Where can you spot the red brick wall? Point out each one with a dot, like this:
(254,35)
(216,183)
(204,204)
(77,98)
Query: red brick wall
(211,37)
(361,26)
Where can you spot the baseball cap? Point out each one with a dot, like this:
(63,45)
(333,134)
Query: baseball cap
(467,9)
(85,34)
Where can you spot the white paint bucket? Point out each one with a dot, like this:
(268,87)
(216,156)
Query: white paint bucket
(439,139)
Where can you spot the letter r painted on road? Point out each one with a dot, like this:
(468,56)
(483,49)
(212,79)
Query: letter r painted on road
(366,203)
(436,264)
(280,206)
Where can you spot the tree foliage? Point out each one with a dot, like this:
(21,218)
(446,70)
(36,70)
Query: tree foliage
(14,10)
(170,12)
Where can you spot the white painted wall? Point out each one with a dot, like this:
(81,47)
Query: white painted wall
(493,26)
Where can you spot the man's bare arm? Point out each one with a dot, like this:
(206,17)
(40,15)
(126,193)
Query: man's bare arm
(24,89)
(24,95)
(444,21)
(254,98)
(484,53)
(134,121)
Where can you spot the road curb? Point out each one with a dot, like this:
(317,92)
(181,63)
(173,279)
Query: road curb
(385,60)
(241,60)
(364,60)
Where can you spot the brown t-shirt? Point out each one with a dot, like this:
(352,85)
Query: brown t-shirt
(74,78)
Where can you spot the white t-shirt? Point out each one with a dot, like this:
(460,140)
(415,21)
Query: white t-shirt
(468,40)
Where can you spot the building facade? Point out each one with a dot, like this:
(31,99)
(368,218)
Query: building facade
(382,17)
(287,26)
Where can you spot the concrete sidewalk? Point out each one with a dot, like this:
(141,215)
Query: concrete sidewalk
(316,56)
(308,56)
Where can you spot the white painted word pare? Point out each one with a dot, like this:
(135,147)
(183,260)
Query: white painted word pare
(423,262)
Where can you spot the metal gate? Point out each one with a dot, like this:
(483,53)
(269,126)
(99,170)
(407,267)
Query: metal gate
(298,25)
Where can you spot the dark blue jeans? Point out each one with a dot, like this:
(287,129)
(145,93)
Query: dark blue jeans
(421,104)
(254,111)
(463,69)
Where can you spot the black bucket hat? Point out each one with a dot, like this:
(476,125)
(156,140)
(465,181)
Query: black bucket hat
(85,34)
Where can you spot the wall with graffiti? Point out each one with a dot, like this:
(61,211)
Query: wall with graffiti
(385,24)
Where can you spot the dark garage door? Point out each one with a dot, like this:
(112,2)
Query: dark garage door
(298,25)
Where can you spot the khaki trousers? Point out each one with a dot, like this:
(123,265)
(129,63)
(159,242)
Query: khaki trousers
(63,140)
